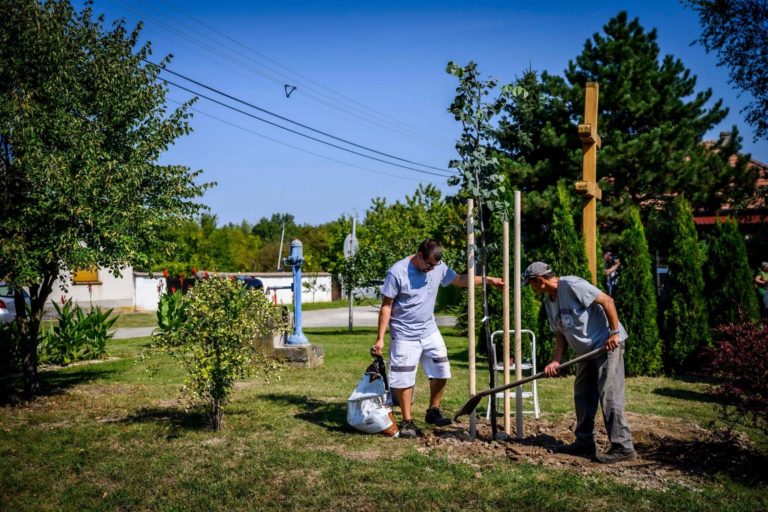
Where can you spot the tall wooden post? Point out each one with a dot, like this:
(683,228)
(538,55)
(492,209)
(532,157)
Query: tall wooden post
(505,323)
(590,141)
(518,323)
(471,310)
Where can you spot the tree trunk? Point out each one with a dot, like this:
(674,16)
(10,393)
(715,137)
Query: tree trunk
(29,329)
(216,414)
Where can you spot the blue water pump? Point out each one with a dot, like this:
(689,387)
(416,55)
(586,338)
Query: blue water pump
(295,260)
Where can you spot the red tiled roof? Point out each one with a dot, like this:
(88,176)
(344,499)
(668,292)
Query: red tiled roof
(743,219)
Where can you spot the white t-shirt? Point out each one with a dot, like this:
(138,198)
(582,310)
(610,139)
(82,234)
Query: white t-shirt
(414,293)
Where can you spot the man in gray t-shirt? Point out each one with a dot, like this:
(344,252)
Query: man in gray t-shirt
(408,302)
(585,318)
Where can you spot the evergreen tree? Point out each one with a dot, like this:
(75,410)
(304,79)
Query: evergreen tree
(636,301)
(730,295)
(566,256)
(686,325)
(652,122)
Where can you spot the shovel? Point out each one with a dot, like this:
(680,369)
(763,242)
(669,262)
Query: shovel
(471,404)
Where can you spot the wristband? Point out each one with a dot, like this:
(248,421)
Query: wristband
(616,331)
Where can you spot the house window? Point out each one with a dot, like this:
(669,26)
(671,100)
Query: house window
(90,276)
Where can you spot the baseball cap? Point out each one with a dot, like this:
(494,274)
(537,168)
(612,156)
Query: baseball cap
(535,269)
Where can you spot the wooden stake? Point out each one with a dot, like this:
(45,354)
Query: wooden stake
(518,324)
(505,351)
(471,310)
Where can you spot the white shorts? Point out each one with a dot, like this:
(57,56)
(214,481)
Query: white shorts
(404,356)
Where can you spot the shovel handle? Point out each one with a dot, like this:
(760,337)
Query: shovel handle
(472,403)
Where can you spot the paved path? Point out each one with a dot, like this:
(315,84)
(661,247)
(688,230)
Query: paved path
(363,316)
(124,333)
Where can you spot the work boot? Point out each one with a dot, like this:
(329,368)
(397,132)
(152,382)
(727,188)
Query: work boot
(579,447)
(435,417)
(617,454)
(408,429)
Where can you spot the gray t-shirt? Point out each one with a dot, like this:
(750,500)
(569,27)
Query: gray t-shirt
(575,314)
(414,293)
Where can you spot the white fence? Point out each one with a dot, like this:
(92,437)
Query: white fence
(315,287)
(139,291)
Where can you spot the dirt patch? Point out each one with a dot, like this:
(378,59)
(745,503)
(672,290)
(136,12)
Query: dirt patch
(670,452)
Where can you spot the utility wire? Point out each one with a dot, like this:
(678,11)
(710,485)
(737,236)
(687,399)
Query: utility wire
(350,111)
(283,118)
(261,55)
(248,130)
(297,132)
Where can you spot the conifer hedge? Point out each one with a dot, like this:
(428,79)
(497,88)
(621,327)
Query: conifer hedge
(686,325)
(635,298)
(566,256)
(730,294)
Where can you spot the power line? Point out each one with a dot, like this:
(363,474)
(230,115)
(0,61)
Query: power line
(283,118)
(248,130)
(297,132)
(350,111)
(261,55)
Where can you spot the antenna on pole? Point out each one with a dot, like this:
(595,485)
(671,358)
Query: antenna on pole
(280,252)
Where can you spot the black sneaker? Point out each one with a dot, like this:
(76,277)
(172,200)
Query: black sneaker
(407,429)
(578,447)
(435,417)
(617,454)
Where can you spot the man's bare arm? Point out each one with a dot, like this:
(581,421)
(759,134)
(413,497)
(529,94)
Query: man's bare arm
(385,313)
(462,281)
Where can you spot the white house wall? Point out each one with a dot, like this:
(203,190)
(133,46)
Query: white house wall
(111,291)
(278,286)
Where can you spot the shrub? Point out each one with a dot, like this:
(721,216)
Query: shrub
(740,363)
(686,325)
(170,312)
(730,294)
(217,341)
(10,360)
(78,335)
(636,301)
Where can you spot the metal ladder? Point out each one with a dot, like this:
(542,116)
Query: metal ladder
(529,366)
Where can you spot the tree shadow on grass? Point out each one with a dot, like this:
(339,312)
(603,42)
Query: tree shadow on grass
(685,394)
(176,419)
(707,457)
(330,415)
(51,383)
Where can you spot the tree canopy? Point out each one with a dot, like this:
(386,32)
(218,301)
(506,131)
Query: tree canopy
(82,123)
(652,122)
(737,31)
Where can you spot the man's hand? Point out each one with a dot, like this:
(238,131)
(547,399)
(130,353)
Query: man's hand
(551,369)
(377,347)
(496,282)
(612,342)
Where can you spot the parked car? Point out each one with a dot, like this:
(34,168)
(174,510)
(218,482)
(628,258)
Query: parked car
(252,282)
(7,304)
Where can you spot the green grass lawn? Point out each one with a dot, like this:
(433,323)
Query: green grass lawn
(107,437)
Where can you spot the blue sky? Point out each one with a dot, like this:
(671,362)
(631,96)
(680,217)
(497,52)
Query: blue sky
(372,73)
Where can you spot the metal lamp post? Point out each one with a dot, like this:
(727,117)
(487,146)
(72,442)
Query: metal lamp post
(295,260)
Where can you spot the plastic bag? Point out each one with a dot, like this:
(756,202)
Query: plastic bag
(369,407)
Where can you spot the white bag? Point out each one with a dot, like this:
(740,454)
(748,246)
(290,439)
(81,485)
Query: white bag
(369,407)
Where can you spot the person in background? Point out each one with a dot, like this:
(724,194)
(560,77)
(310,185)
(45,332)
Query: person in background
(612,264)
(761,285)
